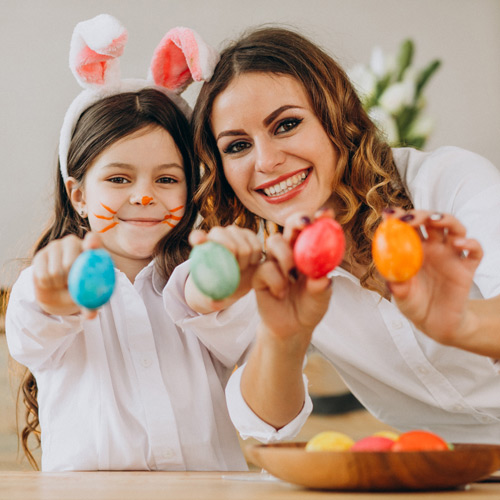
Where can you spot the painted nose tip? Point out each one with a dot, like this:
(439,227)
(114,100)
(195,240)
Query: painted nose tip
(146,200)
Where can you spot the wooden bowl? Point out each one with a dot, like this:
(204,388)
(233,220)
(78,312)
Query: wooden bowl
(377,471)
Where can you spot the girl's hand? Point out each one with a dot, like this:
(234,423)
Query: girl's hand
(51,266)
(245,246)
(436,299)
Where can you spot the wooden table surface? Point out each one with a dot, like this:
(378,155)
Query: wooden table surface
(192,486)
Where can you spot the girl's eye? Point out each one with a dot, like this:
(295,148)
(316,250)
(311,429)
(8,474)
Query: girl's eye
(236,147)
(118,180)
(287,125)
(167,180)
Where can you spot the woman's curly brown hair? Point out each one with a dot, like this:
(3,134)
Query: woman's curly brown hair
(366,179)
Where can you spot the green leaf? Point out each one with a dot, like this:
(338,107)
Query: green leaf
(425,75)
(404,120)
(404,58)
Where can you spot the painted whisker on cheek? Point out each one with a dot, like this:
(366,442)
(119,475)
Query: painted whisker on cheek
(107,228)
(166,219)
(108,209)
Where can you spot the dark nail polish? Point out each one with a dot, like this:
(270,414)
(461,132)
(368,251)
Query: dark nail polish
(293,274)
(305,220)
(388,210)
(407,217)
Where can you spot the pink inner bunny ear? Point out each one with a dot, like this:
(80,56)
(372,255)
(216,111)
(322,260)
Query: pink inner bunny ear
(181,57)
(95,47)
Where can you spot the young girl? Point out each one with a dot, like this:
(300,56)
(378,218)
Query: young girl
(127,389)
(281,132)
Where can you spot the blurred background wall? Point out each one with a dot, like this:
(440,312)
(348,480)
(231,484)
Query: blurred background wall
(37,86)
(463,97)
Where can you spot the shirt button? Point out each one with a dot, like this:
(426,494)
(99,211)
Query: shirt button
(397,324)
(423,370)
(146,362)
(458,407)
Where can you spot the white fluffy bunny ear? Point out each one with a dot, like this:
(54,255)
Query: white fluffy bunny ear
(181,57)
(95,48)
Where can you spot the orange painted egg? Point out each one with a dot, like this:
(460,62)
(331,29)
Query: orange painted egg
(419,441)
(397,250)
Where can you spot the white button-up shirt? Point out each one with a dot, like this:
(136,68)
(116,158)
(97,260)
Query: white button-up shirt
(402,376)
(128,390)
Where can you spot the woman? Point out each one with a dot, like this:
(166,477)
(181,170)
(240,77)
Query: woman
(280,133)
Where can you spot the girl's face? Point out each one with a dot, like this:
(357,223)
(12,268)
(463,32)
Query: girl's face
(276,155)
(134,194)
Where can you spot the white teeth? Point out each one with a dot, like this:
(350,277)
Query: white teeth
(285,186)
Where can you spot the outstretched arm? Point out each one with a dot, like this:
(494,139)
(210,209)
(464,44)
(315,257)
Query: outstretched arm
(290,307)
(436,299)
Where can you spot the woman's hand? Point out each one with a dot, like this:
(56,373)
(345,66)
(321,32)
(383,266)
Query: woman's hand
(245,245)
(436,299)
(51,266)
(290,307)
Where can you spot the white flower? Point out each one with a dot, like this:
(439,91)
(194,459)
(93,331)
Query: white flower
(386,124)
(380,63)
(397,96)
(421,127)
(364,81)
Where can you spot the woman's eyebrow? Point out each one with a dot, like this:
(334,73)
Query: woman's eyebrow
(267,121)
(230,133)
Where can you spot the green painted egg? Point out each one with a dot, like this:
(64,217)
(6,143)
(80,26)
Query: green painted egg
(215,270)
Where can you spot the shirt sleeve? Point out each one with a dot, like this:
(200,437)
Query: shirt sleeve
(227,334)
(249,425)
(35,338)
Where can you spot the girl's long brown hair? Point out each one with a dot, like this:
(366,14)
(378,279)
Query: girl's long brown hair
(100,126)
(366,179)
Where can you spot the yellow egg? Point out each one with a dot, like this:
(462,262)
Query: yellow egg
(329,441)
(387,434)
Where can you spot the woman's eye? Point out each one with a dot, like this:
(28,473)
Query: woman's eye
(287,125)
(167,180)
(118,180)
(236,147)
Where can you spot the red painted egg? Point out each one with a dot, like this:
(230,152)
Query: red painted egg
(397,250)
(319,248)
(419,441)
(373,443)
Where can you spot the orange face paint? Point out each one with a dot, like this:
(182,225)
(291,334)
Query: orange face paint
(146,200)
(166,219)
(108,227)
(113,224)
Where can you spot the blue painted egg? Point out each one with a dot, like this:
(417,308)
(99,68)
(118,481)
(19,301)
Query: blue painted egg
(215,270)
(91,279)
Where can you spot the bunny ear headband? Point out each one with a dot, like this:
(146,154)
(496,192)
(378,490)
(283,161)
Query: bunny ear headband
(180,58)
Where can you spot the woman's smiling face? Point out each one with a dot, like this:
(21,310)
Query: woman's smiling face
(276,155)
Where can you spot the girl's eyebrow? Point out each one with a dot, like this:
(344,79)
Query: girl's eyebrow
(127,166)
(267,121)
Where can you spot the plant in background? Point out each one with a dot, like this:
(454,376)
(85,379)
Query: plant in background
(391,90)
